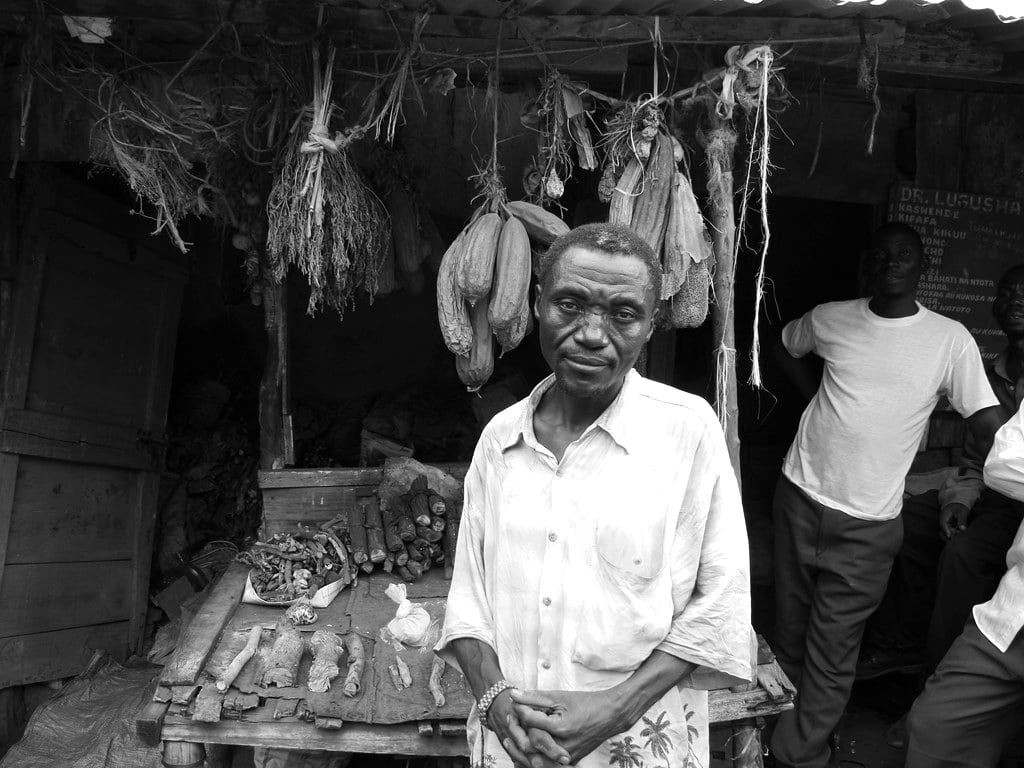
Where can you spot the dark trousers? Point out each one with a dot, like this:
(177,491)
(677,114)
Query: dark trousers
(831,571)
(971,707)
(970,568)
(933,584)
(902,618)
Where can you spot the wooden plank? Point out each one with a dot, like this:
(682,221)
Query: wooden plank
(940,135)
(710,30)
(143,506)
(401,739)
(342,477)
(32,247)
(199,639)
(271,413)
(46,597)
(150,721)
(319,478)
(726,706)
(87,301)
(638,29)
(68,438)
(51,655)
(69,512)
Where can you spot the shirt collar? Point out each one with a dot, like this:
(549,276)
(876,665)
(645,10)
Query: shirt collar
(615,420)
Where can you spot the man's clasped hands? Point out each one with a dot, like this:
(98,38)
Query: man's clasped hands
(550,729)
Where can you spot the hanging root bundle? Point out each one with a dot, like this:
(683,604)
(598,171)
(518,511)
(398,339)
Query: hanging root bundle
(135,137)
(323,218)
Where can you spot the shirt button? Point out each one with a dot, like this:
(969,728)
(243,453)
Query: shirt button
(546,601)
(546,664)
(552,536)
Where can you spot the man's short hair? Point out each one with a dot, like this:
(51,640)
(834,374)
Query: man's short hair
(613,239)
(1013,274)
(899,228)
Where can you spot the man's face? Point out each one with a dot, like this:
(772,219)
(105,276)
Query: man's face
(894,265)
(1008,307)
(594,313)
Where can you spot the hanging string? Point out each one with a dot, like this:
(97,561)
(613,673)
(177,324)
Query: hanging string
(759,145)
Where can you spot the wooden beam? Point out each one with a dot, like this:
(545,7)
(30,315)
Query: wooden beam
(709,30)
(935,54)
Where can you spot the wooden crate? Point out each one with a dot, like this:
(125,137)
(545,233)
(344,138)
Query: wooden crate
(311,496)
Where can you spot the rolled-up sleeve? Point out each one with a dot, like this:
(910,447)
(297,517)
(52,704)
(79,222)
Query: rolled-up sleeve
(711,624)
(798,335)
(1004,467)
(468,613)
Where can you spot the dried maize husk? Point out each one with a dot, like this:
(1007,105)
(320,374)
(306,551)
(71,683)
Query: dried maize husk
(686,239)
(650,213)
(620,211)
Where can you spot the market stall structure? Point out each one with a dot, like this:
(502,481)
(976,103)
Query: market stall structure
(318,161)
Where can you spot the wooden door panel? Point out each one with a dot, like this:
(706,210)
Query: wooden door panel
(66,512)
(86,379)
(52,655)
(94,342)
(43,597)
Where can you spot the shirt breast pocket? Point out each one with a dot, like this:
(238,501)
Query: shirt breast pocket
(627,608)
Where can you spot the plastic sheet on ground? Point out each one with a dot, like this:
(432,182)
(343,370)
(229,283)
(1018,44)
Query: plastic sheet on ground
(90,723)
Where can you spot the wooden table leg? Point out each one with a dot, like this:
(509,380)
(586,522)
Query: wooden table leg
(183,754)
(746,745)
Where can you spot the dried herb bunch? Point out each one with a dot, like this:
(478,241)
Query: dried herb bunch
(322,215)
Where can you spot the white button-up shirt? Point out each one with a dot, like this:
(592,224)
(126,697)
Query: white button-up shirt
(1001,618)
(576,571)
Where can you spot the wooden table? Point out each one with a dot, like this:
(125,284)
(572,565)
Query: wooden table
(252,719)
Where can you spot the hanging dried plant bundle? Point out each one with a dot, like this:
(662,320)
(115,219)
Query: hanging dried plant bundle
(135,137)
(322,216)
(560,115)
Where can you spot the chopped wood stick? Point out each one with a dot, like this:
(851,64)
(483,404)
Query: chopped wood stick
(396,677)
(426,564)
(366,567)
(438,506)
(403,671)
(414,552)
(405,573)
(283,662)
(401,558)
(436,673)
(437,523)
(339,549)
(415,569)
(327,649)
(428,533)
(389,516)
(374,529)
(356,660)
(389,562)
(451,536)
(357,534)
(406,527)
(229,674)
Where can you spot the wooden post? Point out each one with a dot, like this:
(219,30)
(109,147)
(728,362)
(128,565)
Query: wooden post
(721,142)
(271,411)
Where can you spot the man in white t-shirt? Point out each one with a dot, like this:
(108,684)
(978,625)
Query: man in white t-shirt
(974,703)
(887,361)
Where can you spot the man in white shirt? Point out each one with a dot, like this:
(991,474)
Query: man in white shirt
(602,555)
(974,703)
(887,360)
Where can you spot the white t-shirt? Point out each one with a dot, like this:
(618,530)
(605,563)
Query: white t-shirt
(882,379)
